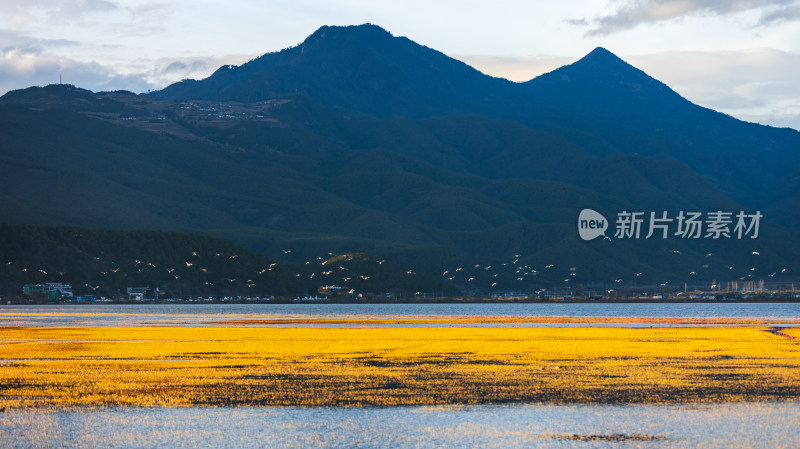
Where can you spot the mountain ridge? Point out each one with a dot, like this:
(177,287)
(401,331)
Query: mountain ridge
(360,143)
(349,61)
(600,102)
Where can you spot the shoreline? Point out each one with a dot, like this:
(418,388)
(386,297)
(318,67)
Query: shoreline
(785,299)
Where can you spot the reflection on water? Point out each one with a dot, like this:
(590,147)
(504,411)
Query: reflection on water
(193,314)
(503,426)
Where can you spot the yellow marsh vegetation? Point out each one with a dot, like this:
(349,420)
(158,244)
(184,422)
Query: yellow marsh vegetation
(182,366)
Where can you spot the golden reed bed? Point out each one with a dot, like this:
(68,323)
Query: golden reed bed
(356,366)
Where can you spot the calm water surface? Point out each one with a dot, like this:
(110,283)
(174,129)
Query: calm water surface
(749,425)
(119,314)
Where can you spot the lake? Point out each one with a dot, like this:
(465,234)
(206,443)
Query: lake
(192,314)
(715,425)
(769,424)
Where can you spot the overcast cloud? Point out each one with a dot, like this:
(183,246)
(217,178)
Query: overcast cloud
(756,85)
(789,13)
(629,14)
(30,66)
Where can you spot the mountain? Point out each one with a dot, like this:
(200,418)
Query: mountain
(606,106)
(602,82)
(600,103)
(357,141)
(360,69)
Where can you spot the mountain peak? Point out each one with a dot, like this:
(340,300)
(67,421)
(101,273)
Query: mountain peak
(365,30)
(360,68)
(600,52)
(61,96)
(602,80)
(602,59)
(366,70)
(361,38)
(598,67)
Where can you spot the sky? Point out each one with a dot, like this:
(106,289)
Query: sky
(741,57)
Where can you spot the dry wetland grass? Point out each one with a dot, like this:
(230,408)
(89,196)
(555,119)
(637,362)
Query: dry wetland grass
(354,363)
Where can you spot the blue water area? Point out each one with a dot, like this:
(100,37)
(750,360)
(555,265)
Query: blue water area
(748,425)
(190,314)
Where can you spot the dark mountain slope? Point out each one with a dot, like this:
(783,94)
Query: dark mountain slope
(426,193)
(103,262)
(606,106)
(601,81)
(600,104)
(357,68)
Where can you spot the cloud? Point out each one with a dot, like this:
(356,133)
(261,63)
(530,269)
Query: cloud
(21,67)
(78,8)
(784,120)
(30,11)
(148,8)
(515,68)
(756,85)
(13,39)
(788,14)
(26,61)
(582,22)
(166,71)
(630,14)
(47,16)
(176,66)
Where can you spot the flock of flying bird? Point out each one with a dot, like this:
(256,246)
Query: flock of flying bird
(333,270)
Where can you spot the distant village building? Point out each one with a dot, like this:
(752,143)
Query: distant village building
(310,298)
(52,291)
(331,290)
(137,293)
